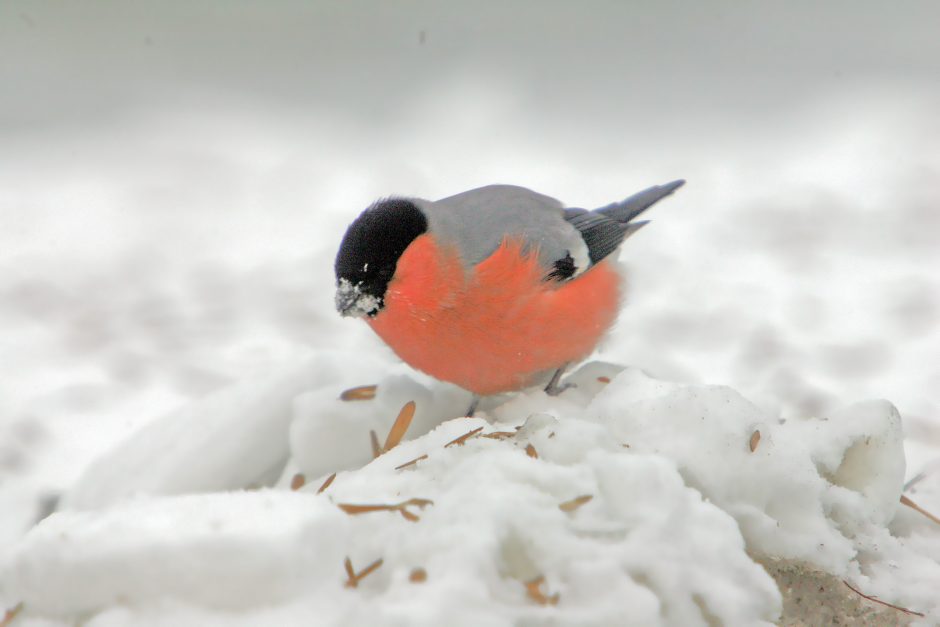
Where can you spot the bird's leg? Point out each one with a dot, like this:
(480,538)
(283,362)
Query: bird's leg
(553,389)
(473,406)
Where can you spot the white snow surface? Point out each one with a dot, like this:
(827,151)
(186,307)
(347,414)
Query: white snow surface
(680,504)
(174,182)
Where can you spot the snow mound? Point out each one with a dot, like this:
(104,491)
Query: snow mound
(803,492)
(218,550)
(235,438)
(626,500)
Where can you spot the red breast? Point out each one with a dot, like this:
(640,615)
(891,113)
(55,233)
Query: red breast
(497,327)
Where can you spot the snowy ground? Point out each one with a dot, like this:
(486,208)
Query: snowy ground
(167,237)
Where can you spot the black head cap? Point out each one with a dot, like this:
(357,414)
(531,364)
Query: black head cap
(370,251)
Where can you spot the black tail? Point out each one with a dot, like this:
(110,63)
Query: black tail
(631,207)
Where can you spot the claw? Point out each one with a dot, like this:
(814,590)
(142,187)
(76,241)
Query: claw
(554,388)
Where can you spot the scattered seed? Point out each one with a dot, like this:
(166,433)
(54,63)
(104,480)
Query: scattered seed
(918,508)
(411,463)
(401,508)
(353,578)
(604,379)
(534,590)
(297,481)
(575,503)
(462,439)
(418,575)
(755,440)
(326,484)
(10,615)
(400,426)
(499,435)
(531,452)
(625,445)
(551,435)
(371,567)
(885,603)
(361,393)
(354,510)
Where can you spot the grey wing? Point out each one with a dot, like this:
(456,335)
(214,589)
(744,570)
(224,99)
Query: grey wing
(478,221)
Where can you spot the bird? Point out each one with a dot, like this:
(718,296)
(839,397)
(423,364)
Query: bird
(495,289)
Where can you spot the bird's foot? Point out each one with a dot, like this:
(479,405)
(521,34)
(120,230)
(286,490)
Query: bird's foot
(555,387)
(555,390)
(473,407)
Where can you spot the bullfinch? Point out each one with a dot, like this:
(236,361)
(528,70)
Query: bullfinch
(494,289)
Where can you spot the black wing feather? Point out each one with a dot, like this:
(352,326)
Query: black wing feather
(601,234)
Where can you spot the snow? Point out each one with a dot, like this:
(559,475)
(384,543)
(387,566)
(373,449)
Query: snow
(494,524)
(176,180)
(682,500)
(215,550)
(231,439)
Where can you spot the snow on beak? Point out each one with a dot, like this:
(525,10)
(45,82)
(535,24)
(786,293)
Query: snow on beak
(353,302)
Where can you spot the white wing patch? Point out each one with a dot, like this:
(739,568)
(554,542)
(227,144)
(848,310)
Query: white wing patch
(582,259)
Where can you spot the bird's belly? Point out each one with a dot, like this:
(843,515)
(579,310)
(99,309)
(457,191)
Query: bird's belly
(490,339)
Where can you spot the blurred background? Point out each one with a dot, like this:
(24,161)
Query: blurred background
(175,178)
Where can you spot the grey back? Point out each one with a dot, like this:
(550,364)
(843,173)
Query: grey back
(477,221)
